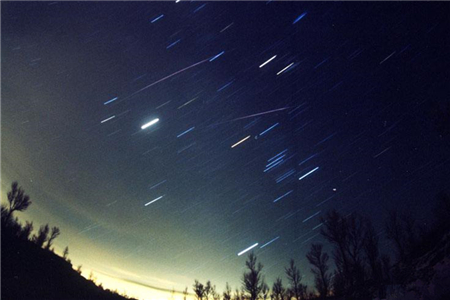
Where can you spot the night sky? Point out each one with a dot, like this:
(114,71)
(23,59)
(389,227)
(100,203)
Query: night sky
(348,113)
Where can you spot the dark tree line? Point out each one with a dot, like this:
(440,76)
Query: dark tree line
(359,269)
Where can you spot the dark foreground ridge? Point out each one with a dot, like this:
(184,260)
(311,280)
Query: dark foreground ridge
(31,272)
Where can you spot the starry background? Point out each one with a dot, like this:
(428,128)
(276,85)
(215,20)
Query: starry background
(361,105)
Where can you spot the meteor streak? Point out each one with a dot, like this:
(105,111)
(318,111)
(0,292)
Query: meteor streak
(262,113)
(249,248)
(154,121)
(250,116)
(167,77)
(244,139)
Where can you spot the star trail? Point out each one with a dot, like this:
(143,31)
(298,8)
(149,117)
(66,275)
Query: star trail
(168,140)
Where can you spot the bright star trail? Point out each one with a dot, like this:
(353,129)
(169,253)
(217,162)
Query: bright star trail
(154,200)
(107,119)
(285,68)
(248,249)
(267,61)
(241,141)
(152,122)
(164,138)
(309,173)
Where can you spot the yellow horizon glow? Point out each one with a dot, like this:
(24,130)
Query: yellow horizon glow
(130,289)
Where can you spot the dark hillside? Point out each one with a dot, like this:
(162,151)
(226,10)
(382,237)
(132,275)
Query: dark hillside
(31,272)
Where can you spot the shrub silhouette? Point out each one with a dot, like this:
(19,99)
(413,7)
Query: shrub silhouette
(26,231)
(227,292)
(199,290)
(278,291)
(42,236)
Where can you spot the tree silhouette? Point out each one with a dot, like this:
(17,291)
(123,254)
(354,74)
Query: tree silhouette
(319,261)
(373,259)
(347,236)
(237,295)
(265,291)
(252,280)
(26,231)
(79,271)
(66,253)
(227,292)
(199,290)
(185,293)
(294,278)
(215,295)
(42,236)
(55,233)
(17,199)
(208,290)
(278,291)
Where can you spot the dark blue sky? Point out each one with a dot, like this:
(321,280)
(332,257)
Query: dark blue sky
(362,105)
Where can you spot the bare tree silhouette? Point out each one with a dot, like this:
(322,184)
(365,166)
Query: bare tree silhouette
(54,234)
(319,261)
(17,199)
(294,278)
(252,280)
(66,253)
(372,254)
(347,236)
